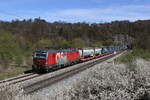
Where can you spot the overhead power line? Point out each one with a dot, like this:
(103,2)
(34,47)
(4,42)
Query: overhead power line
(11,14)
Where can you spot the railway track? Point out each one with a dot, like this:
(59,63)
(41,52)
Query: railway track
(13,78)
(17,79)
(51,80)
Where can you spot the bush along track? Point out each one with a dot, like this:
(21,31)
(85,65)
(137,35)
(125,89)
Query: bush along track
(129,57)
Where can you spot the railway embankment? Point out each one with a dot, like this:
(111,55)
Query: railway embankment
(69,71)
(110,79)
(106,80)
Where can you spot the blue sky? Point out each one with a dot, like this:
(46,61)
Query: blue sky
(75,10)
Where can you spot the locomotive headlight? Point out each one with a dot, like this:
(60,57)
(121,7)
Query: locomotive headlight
(34,55)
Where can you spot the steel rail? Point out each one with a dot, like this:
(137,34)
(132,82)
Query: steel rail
(17,77)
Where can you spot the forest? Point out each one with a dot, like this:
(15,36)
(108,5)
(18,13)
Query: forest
(19,38)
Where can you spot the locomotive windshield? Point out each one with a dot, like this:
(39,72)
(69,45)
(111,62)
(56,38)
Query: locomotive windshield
(40,55)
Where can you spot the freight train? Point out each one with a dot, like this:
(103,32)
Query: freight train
(48,59)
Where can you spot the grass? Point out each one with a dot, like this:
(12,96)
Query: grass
(15,68)
(131,56)
(145,54)
(11,72)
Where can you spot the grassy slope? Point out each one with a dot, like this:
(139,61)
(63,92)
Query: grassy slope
(16,67)
(132,55)
(13,71)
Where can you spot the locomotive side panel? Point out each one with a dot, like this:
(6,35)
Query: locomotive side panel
(51,58)
(61,58)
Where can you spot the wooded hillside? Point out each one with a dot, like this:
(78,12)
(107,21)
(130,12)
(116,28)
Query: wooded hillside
(18,39)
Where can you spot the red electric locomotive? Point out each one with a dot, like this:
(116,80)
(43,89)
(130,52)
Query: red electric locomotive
(44,60)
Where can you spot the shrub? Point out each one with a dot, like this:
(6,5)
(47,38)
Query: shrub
(9,48)
(132,55)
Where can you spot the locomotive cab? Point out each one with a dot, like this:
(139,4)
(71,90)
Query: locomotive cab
(39,60)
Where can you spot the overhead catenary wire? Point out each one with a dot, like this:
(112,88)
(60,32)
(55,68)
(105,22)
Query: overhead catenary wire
(11,14)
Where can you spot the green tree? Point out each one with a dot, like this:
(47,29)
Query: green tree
(97,44)
(65,44)
(9,48)
(44,43)
(78,43)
